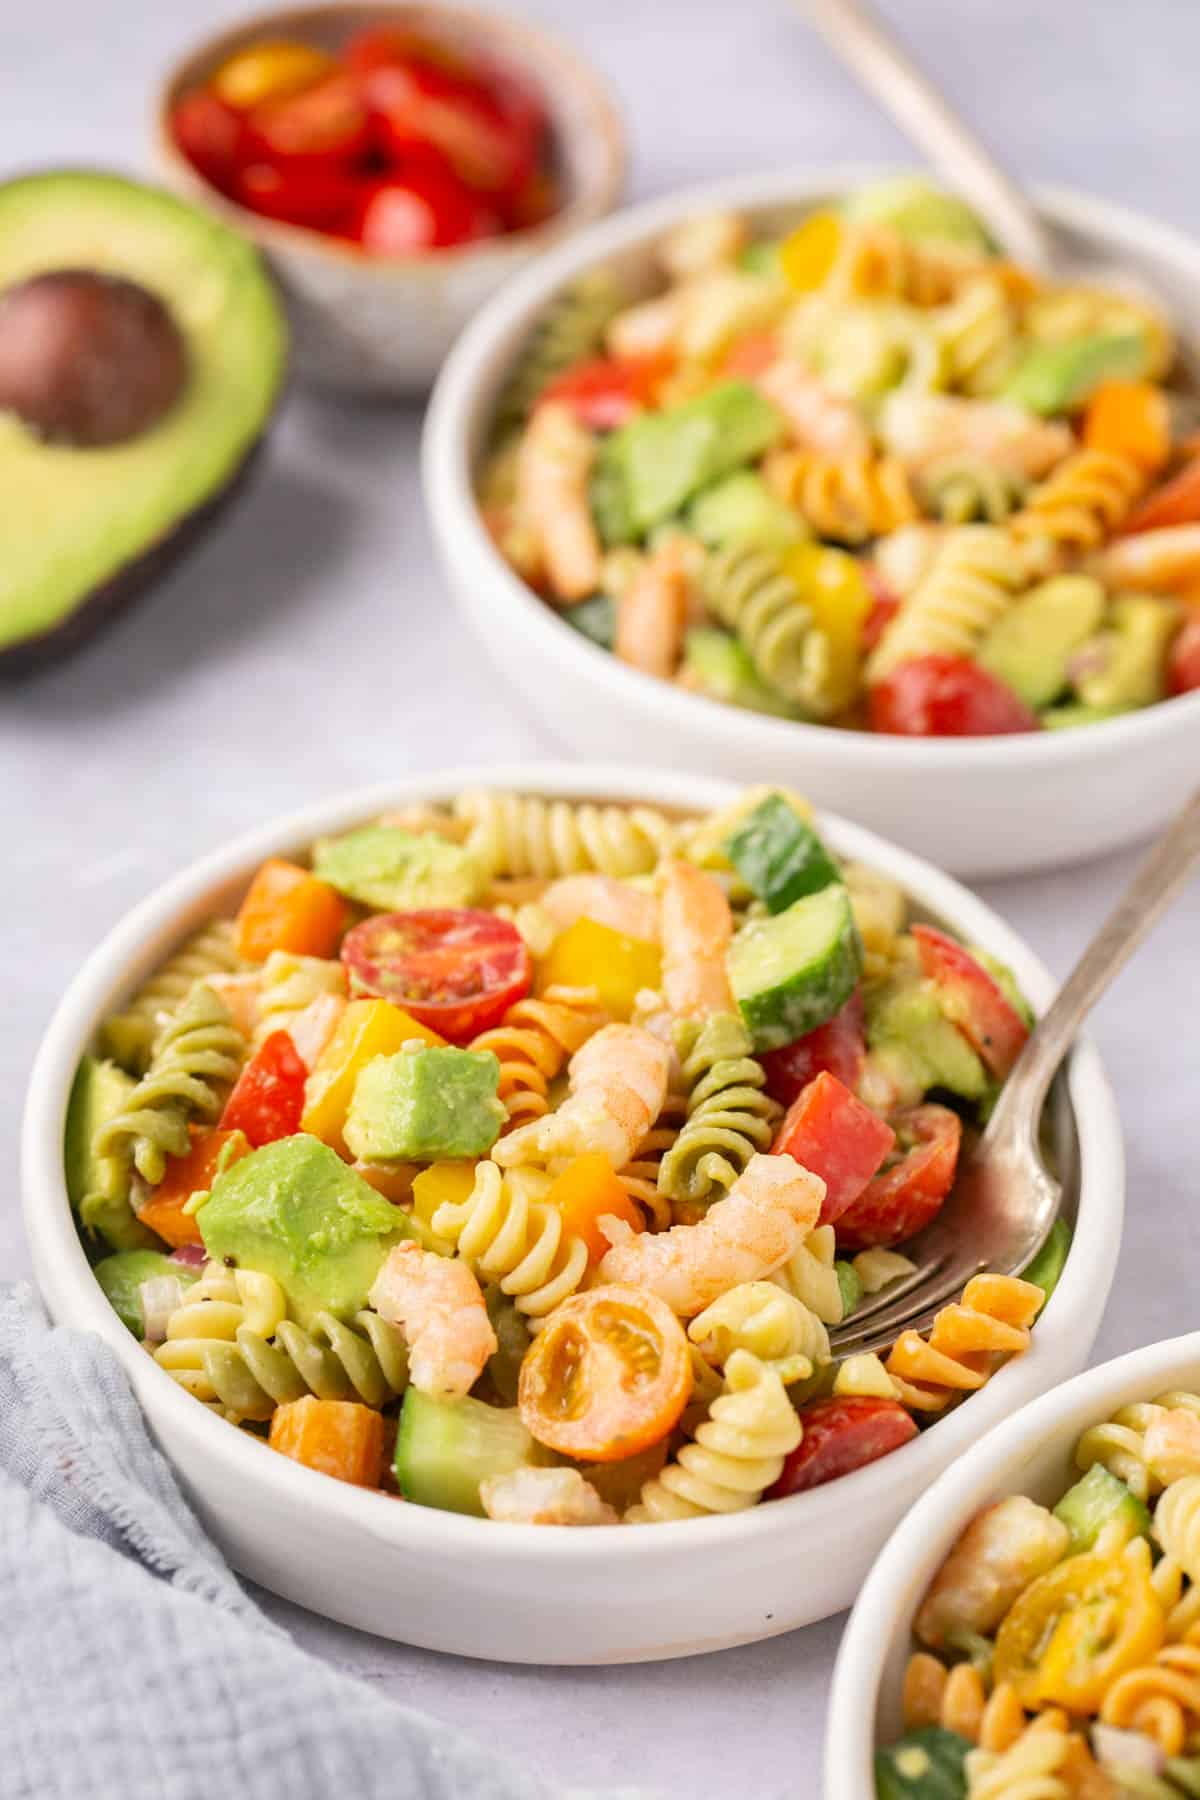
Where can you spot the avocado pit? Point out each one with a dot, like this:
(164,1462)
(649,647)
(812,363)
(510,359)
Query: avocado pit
(86,359)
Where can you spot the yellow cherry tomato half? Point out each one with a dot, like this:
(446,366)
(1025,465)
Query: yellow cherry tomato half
(1075,1629)
(269,71)
(835,592)
(607,1376)
(807,254)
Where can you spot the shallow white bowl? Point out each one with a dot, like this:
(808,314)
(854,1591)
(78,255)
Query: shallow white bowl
(980,806)
(517,1593)
(1030,1454)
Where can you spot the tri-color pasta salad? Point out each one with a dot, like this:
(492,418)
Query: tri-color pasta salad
(516,1157)
(1059,1650)
(863,473)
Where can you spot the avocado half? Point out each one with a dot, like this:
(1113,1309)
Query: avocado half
(90,524)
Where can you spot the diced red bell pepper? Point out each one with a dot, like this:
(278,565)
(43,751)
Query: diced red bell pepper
(946,696)
(1183,664)
(268,1100)
(839,1046)
(830,1132)
(903,1199)
(972,1000)
(607,391)
(841,1435)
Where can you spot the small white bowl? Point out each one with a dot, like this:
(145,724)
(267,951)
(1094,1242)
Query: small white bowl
(979,806)
(377,325)
(519,1593)
(1030,1454)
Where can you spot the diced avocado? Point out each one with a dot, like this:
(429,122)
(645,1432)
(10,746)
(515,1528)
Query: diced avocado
(926,1764)
(1058,378)
(99,1186)
(916,209)
(1098,1499)
(1131,653)
(1030,646)
(121,1276)
(426,1105)
(445,1448)
(850,1284)
(595,619)
(716,664)
(906,1012)
(1045,1271)
(779,856)
(741,509)
(761,257)
(1072,713)
(387,867)
(791,972)
(294,1210)
(651,467)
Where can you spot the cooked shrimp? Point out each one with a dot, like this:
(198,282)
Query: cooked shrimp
(617,1084)
(923,428)
(652,614)
(696,928)
(544,1497)
(240,994)
(552,497)
(438,1305)
(1003,1549)
(646,329)
(1171,1446)
(607,900)
(311,1028)
(1159,562)
(760,1223)
(820,420)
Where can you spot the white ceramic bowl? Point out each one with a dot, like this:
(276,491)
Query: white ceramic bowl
(379,326)
(981,806)
(518,1593)
(1030,1454)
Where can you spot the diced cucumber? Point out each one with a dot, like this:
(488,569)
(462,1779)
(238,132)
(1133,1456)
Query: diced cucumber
(791,972)
(595,619)
(850,1282)
(779,856)
(1046,1269)
(905,1017)
(1098,1499)
(716,664)
(927,1764)
(445,1448)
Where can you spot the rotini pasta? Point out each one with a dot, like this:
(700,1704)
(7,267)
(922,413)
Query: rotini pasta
(533,1043)
(571,329)
(1060,313)
(1077,506)
(876,262)
(770,1323)
(212,1312)
(1119,1443)
(963,490)
(729,1115)
(1177,1524)
(968,1338)
(519,834)
(810,1275)
(288,983)
(750,591)
(958,1700)
(848,499)
(1160,1699)
(128,1036)
(639,1178)
(979,332)
(971,582)
(1029,1768)
(508,1235)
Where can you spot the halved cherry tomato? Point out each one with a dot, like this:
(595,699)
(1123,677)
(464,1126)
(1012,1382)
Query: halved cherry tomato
(381,45)
(212,1150)
(268,1096)
(210,134)
(608,1375)
(1183,664)
(1176,502)
(884,607)
(946,696)
(1075,1629)
(327,120)
(424,207)
(972,999)
(605,392)
(838,1046)
(830,1132)
(452,968)
(841,1435)
(268,70)
(299,191)
(414,103)
(903,1198)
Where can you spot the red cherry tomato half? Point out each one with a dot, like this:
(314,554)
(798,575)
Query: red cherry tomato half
(972,999)
(829,1131)
(268,1097)
(210,134)
(298,192)
(414,103)
(1183,664)
(451,968)
(326,121)
(839,1046)
(423,208)
(839,1437)
(903,1199)
(381,45)
(946,696)
(608,390)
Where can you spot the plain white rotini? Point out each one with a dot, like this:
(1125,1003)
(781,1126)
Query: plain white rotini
(288,984)
(506,1233)
(763,1318)
(978,331)
(128,1036)
(1177,1524)
(864,1376)
(877,1268)
(972,580)
(213,1311)
(1118,1443)
(811,1277)
(1028,1769)
(521,834)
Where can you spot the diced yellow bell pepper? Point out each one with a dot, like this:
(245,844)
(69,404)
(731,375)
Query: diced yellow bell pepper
(834,589)
(366,1029)
(588,954)
(587,1191)
(271,70)
(807,254)
(441,1184)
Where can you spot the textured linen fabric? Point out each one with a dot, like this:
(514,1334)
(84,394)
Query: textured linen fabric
(132,1665)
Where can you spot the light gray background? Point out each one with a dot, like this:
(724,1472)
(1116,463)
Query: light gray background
(308,647)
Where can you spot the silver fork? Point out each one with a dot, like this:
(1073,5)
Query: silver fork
(1005,1200)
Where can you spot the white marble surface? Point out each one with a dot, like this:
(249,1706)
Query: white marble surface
(307,647)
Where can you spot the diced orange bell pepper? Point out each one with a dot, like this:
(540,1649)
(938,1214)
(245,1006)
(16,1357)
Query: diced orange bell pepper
(338,1437)
(587,1191)
(193,1173)
(1176,502)
(441,1184)
(588,954)
(1129,418)
(366,1029)
(807,254)
(286,908)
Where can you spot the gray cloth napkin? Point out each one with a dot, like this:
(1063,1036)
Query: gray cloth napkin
(132,1665)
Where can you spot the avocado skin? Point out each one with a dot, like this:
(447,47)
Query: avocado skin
(105,602)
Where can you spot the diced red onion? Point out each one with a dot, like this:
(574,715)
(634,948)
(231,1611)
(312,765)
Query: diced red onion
(192,1256)
(159,1298)
(1132,1750)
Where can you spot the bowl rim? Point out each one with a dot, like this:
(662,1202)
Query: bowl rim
(236,1457)
(595,113)
(489,340)
(903,1569)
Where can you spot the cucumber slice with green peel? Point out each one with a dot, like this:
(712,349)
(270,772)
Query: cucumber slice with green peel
(850,1282)
(791,972)
(927,1764)
(1045,1271)
(445,1448)
(1097,1500)
(594,619)
(779,856)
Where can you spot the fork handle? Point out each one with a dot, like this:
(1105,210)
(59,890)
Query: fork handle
(886,71)
(1152,890)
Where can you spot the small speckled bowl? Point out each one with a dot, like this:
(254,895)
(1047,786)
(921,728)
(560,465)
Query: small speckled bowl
(381,326)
